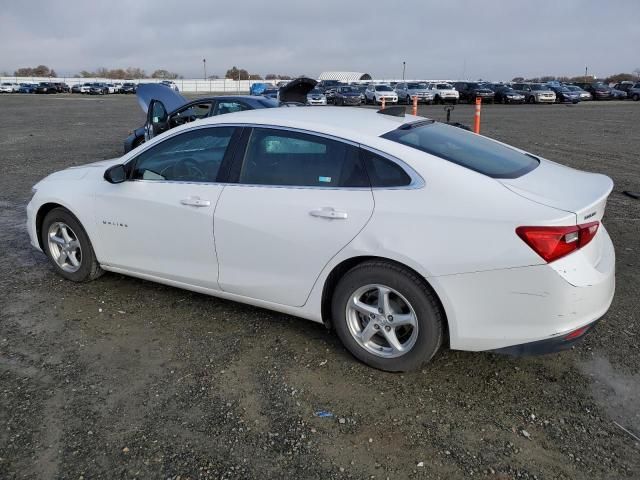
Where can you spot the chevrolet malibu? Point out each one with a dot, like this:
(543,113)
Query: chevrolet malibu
(402,233)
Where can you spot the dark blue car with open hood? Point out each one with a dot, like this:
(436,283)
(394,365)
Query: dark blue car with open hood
(165,108)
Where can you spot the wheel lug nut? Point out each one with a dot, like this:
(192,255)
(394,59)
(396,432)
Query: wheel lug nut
(376,326)
(387,328)
(390,318)
(372,315)
(379,310)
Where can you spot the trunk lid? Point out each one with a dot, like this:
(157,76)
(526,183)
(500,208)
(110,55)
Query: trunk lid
(582,193)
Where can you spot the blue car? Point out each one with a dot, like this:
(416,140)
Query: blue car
(166,108)
(258,88)
(564,95)
(27,88)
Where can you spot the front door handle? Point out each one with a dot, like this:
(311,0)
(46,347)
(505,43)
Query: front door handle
(195,202)
(328,212)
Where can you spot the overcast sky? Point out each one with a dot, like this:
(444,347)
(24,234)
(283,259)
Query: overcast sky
(490,39)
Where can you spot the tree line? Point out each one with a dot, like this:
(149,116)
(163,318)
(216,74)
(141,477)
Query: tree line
(233,73)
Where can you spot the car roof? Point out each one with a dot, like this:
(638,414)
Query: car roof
(336,121)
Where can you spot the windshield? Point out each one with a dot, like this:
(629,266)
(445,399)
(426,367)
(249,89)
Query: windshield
(348,90)
(444,86)
(383,88)
(465,148)
(417,86)
(536,86)
(315,91)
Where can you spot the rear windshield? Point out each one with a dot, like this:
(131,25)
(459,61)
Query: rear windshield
(464,148)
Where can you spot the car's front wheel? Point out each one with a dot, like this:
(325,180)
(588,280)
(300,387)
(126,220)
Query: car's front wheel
(68,247)
(387,317)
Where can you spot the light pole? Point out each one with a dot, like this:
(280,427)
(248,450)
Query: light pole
(404,66)
(204,67)
(586,69)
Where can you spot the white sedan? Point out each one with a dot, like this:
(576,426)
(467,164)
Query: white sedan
(401,233)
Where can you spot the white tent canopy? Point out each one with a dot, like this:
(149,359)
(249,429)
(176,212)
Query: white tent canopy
(344,76)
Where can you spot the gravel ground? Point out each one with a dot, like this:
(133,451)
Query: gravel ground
(123,378)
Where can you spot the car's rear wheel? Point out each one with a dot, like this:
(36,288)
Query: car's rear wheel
(635,97)
(68,247)
(387,317)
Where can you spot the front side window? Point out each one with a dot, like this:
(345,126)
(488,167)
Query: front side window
(189,114)
(229,106)
(285,158)
(464,148)
(193,156)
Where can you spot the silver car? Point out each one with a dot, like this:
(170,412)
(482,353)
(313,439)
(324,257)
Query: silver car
(584,95)
(535,92)
(316,97)
(407,90)
(634,92)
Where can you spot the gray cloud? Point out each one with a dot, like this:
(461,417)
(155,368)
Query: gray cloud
(449,39)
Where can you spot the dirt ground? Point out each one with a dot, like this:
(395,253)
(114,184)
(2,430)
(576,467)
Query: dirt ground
(123,378)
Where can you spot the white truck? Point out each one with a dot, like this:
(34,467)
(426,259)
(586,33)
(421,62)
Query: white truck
(444,93)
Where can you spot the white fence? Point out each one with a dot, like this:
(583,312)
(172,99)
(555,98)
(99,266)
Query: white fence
(185,85)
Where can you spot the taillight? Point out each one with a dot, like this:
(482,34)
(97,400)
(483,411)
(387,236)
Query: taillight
(552,243)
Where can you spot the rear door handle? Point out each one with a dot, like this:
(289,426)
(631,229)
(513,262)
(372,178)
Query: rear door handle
(195,202)
(329,212)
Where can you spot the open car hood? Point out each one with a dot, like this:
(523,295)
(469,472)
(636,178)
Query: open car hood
(157,91)
(296,90)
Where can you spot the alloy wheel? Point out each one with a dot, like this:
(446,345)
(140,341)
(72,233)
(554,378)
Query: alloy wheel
(382,321)
(64,247)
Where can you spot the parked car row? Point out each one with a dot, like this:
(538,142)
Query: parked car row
(334,92)
(91,88)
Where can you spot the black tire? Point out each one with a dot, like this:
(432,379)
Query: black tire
(430,318)
(635,97)
(531,99)
(89,266)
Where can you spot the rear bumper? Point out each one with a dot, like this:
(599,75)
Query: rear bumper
(549,345)
(497,309)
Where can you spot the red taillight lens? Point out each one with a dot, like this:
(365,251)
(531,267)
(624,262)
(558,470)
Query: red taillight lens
(552,243)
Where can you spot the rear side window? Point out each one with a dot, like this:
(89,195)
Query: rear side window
(383,172)
(286,158)
(465,148)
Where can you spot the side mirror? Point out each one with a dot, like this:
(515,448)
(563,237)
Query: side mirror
(115,174)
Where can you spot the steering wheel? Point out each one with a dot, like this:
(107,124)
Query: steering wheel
(185,169)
